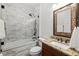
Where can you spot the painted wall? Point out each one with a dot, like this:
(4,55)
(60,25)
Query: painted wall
(19,25)
(46,20)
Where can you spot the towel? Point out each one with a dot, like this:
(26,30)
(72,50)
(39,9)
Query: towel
(2,30)
(74,42)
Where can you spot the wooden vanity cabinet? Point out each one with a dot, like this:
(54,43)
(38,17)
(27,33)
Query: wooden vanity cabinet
(50,51)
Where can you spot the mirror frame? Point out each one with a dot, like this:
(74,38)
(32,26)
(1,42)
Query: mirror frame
(73,21)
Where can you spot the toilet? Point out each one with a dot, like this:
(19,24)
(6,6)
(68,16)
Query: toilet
(35,51)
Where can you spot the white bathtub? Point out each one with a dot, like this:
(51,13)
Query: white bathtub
(20,47)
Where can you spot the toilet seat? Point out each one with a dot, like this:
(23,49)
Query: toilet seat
(35,50)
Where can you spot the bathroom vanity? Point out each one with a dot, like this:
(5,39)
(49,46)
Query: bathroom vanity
(49,49)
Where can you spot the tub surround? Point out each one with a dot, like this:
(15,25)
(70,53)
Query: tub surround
(19,25)
(55,50)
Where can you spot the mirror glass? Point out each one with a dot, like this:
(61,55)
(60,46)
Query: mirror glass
(64,21)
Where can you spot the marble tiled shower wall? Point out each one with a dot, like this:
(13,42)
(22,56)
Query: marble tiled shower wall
(17,20)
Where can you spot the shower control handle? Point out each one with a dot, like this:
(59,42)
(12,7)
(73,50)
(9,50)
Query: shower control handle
(2,43)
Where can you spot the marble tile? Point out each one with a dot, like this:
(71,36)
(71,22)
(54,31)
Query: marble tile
(18,25)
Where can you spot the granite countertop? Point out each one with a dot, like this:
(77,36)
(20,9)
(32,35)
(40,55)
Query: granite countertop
(68,51)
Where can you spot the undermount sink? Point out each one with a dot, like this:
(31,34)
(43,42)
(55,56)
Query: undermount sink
(60,45)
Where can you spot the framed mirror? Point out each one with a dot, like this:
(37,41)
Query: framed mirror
(64,20)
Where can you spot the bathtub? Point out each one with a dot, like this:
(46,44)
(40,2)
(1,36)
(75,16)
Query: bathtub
(18,48)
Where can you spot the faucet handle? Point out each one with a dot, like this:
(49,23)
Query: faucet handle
(61,40)
(67,41)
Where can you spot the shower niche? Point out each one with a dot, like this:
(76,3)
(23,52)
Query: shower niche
(65,19)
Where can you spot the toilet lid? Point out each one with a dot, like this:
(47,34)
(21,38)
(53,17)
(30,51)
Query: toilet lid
(35,49)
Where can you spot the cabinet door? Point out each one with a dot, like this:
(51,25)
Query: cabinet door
(50,51)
